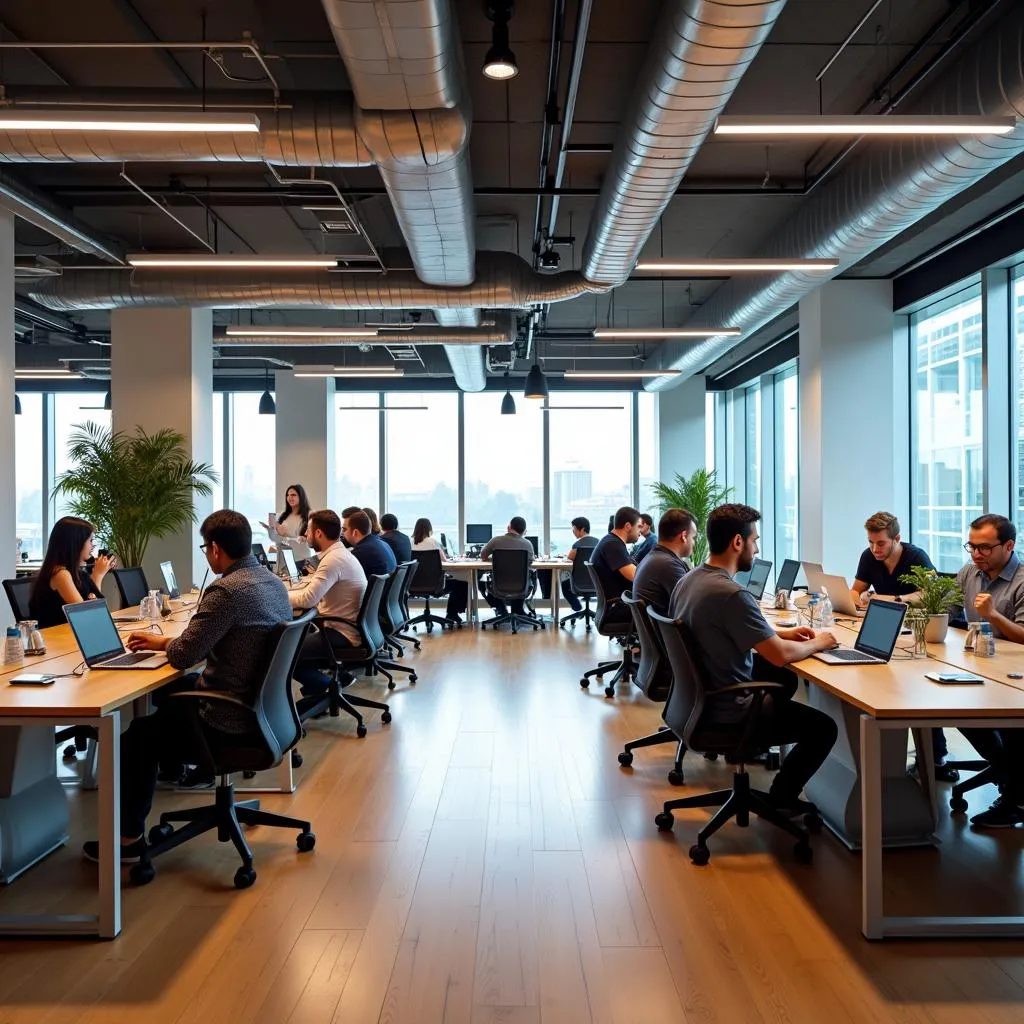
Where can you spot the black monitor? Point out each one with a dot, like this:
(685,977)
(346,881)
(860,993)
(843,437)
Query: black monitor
(533,540)
(478,533)
(787,575)
(260,555)
(759,573)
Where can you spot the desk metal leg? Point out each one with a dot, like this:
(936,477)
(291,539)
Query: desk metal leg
(871,824)
(110,826)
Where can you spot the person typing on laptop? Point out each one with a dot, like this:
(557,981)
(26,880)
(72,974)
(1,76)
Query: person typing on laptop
(736,645)
(231,631)
(885,560)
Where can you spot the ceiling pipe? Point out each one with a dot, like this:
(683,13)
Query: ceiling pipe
(501,332)
(882,192)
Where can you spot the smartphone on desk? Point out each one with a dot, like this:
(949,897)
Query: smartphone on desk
(32,679)
(952,678)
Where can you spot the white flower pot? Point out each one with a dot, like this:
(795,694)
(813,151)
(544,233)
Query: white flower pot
(935,632)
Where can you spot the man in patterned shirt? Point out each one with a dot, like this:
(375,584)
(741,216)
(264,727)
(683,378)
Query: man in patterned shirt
(231,631)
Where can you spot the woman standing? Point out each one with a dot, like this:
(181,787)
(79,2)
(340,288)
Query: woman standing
(62,579)
(292,521)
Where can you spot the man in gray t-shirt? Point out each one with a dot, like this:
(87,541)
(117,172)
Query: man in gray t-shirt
(735,644)
(512,540)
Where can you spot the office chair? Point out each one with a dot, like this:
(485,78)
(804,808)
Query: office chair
(430,581)
(392,615)
(579,580)
(392,582)
(402,597)
(511,580)
(986,773)
(654,678)
(338,659)
(275,731)
(617,629)
(683,715)
(18,592)
(131,586)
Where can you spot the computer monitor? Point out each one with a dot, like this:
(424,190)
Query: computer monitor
(478,533)
(170,583)
(759,573)
(534,541)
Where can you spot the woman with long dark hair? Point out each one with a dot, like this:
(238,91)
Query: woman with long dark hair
(294,517)
(62,579)
(457,590)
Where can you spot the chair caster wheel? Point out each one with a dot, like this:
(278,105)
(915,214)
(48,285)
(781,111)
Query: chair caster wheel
(585,683)
(142,873)
(305,841)
(158,833)
(710,757)
(296,759)
(360,730)
(244,877)
(803,852)
(413,679)
(609,691)
(391,684)
(385,717)
(248,775)
(664,821)
(69,753)
(699,855)
(957,804)
(813,822)
(589,628)
(626,758)
(675,778)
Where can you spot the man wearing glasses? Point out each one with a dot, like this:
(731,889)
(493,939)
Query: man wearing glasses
(993,586)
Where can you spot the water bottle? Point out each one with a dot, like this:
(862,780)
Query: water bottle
(813,614)
(985,646)
(14,653)
(826,619)
(154,607)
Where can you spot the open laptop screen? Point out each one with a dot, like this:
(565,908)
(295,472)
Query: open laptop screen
(881,628)
(787,574)
(289,561)
(170,583)
(759,573)
(94,630)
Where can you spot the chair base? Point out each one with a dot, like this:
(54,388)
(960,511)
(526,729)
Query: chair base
(985,774)
(227,816)
(586,613)
(625,671)
(515,620)
(334,701)
(429,619)
(739,802)
(663,735)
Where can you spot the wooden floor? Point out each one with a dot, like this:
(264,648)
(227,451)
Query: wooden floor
(484,860)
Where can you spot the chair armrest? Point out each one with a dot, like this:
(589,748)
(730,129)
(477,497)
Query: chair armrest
(744,687)
(214,696)
(336,618)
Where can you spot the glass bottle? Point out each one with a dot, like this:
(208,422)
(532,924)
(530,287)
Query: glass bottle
(14,653)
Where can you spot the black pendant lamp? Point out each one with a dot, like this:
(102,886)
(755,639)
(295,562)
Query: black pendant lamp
(17,405)
(267,404)
(106,401)
(536,384)
(508,403)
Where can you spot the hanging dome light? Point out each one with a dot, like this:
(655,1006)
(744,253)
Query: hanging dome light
(267,405)
(508,403)
(17,405)
(500,62)
(536,384)
(106,401)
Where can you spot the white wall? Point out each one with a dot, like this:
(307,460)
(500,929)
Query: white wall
(681,428)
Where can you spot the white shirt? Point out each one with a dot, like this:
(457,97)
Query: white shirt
(429,544)
(335,588)
(290,526)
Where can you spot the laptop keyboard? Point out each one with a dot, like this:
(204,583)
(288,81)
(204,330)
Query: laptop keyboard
(844,654)
(131,658)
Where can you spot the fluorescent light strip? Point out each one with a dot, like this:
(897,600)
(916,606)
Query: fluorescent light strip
(370,371)
(573,408)
(45,375)
(658,332)
(728,266)
(383,408)
(612,374)
(863,124)
(300,332)
(124,121)
(196,260)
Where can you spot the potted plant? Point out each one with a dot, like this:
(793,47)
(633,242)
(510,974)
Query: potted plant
(936,595)
(132,487)
(700,494)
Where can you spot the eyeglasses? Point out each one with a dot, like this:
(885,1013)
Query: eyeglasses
(203,547)
(982,549)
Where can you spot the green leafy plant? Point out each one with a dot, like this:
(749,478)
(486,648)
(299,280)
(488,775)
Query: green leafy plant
(699,493)
(936,594)
(132,488)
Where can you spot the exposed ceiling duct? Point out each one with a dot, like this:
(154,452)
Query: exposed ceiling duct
(503,281)
(700,51)
(881,193)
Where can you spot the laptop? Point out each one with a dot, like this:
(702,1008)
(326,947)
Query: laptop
(170,583)
(287,557)
(759,573)
(535,541)
(876,640)
(99,641)
(260,554)
(786,578)
(836,586)
(743,577)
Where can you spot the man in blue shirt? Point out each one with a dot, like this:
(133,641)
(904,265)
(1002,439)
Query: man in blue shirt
(885,560)
(371,552)
(399,542)
(648,539)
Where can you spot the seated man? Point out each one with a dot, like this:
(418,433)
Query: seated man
(736,645)
(335,588)
(645,545)
(993,586)
(231,631)
(613,564)
(399,542)
(667,564)
(513,540)
(370,551)
(583,545)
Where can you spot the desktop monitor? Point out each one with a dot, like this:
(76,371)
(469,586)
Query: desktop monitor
(534,541)
(759,573)
(478,533)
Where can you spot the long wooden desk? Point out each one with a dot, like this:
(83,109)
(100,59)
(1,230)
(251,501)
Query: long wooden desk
(470,569)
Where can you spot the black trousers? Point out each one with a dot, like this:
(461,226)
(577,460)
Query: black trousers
(458,597)
(1004,750)
(544,577)
(309,670)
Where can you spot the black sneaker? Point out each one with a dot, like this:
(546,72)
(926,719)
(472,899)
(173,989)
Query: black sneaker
(131,853)
(194,778)
(1003,813)
(792,806)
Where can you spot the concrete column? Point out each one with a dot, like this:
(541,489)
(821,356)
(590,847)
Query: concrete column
(682,429)
(8,516)
(854,419)
(305,436)
(162,376)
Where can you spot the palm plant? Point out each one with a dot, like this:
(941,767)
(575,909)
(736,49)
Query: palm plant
(699,493)
(132,488)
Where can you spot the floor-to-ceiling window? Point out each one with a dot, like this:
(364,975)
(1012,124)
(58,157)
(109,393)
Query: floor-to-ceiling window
(1017,326)
(422,459)
(504,462)
(72,410)
(752,448)
(357,419)
(710,412)
(948,455)
(787,465)
(218,499)
(253,443)
(647,447)
(28,475)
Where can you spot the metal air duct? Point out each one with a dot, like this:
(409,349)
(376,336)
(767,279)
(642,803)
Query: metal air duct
(502,332)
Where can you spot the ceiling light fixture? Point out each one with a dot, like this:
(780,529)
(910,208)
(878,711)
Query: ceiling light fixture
(862,124)
(228,262)
(26,120)
(508,403)
(43,374)
(300,332)
(383,408)
(737,266)
(659,332)
(500,62)
(612,374)
(343,371)
(536,383)
(573,408)
(17,405)
(268,407)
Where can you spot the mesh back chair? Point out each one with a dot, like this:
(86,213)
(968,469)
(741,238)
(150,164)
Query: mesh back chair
(579,580)
(393,614)
(388,626)
(684,715)
(617,628)
(511,580)
(275,730)
(18,592)
(131,586)
(402,597)
(429,582)
(654,678)
(338,659)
